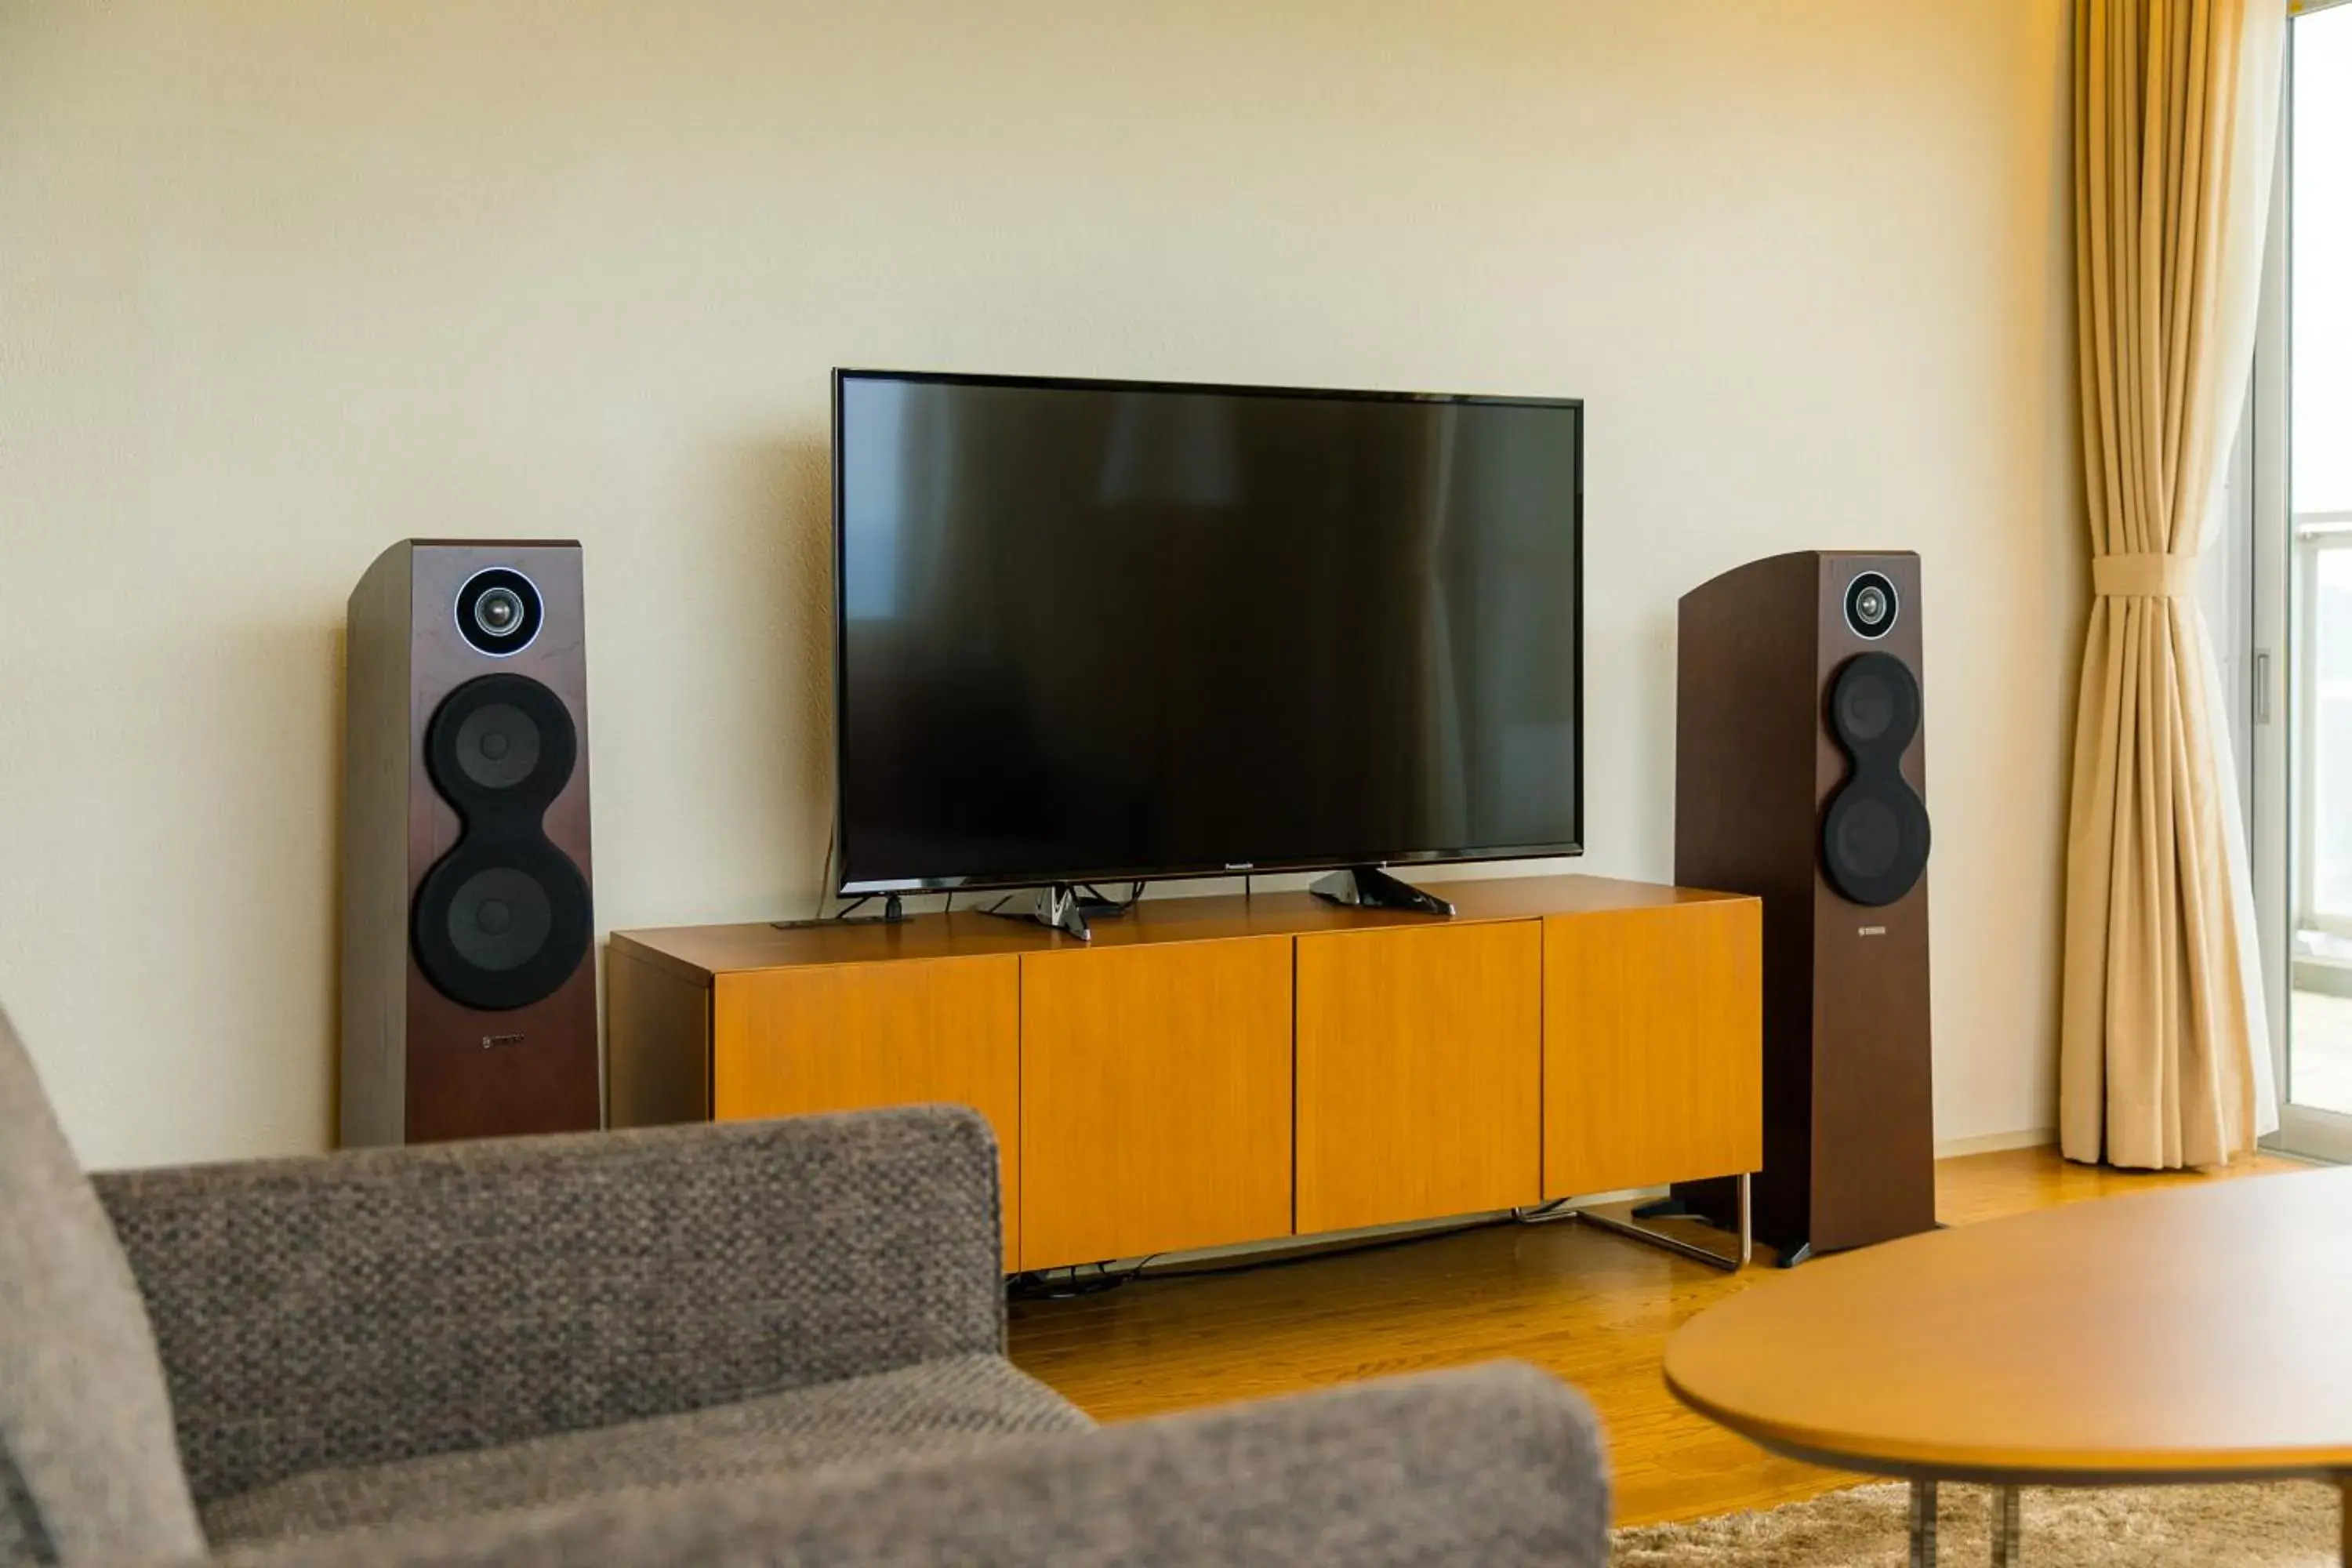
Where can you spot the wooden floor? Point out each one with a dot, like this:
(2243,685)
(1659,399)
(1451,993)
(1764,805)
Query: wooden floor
(1592,1307)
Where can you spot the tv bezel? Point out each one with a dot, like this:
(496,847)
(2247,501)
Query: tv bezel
(846,887)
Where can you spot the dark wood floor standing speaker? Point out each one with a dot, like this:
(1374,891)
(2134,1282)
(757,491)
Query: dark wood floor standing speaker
(468,984)
(1800,777)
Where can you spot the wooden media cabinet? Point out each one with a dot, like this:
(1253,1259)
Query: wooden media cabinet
(1216,1070)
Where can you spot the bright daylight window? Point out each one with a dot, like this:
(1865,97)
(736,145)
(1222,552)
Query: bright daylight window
(2319,498)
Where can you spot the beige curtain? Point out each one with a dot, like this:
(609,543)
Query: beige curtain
(2164,1050)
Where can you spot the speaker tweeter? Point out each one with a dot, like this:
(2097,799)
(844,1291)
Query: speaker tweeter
(500,611)
(1871,606)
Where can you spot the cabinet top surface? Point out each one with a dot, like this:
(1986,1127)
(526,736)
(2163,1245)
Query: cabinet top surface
(702,952)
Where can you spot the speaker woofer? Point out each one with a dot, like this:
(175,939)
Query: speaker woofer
(499,744)
(1875,705)
(1874,831)
(503,919)
(501,925)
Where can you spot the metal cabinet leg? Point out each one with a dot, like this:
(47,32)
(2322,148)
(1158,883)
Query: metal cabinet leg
(1633,1230)
(2004,1527)
(1922,1524)
(1747,1222)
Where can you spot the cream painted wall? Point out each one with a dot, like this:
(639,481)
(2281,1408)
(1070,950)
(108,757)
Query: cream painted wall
(281,282)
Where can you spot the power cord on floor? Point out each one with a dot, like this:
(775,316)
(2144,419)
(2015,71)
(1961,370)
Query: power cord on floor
(1069,1283)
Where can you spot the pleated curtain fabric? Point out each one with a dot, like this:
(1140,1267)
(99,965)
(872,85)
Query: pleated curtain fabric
(2164,1048)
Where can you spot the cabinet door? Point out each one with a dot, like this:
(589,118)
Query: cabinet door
(657,1043)
(1420,1073)
(846,1036)
(1653,1041)
(1155,1099)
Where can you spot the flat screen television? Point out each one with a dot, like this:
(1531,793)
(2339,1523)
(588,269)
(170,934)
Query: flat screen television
(1095,631)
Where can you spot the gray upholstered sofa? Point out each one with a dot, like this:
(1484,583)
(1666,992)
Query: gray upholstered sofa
(778,1342)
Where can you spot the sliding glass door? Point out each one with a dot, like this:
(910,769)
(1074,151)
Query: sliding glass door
(2301,448)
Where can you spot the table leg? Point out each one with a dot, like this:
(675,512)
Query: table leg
(1747,1224)
(2004,1527)
(1922,1524)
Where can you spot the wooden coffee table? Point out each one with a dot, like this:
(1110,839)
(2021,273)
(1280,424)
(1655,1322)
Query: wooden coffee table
(2196,1334)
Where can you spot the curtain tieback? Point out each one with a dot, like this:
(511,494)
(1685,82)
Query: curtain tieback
(2145,575)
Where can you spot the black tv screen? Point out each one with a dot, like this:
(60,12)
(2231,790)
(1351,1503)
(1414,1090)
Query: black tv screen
(1092,631)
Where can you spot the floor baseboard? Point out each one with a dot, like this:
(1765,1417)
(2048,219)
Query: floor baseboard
(1996,1143)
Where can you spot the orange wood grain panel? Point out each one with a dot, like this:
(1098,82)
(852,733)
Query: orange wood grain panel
(657,1060)
(1155,1099)
(1420,1073)
(786,1042)
(1653,1046)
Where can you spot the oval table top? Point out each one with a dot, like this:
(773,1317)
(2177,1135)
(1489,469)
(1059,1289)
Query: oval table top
(2189,1332)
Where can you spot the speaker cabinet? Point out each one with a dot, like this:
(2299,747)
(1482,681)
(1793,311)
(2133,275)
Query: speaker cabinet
(1799,777)
(470,984)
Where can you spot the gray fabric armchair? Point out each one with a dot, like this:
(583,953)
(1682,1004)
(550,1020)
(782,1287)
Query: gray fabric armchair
(771,1342)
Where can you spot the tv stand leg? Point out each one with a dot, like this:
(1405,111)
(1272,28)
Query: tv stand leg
(1055,907)
(1373,888)
(1675,1244)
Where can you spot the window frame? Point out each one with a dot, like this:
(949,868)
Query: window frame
(2281,544)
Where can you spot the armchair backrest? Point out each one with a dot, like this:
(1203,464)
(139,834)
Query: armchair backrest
(88,1467)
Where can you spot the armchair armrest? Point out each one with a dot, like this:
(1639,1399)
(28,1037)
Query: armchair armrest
(387,1303)
(1496,1465)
